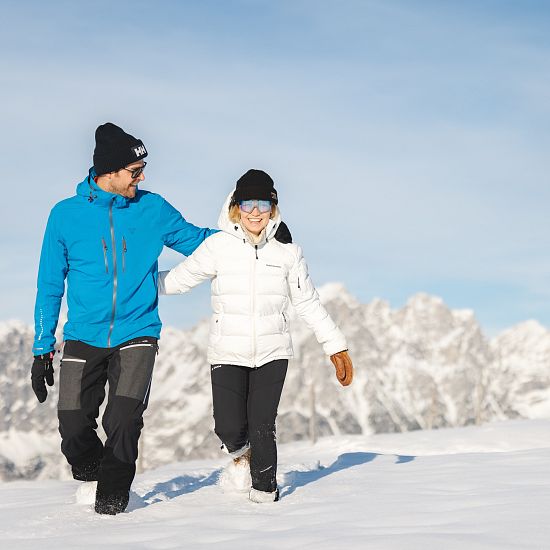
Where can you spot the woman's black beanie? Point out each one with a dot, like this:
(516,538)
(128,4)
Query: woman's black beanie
(255,184)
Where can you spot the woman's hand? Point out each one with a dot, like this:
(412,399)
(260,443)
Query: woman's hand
(344,367)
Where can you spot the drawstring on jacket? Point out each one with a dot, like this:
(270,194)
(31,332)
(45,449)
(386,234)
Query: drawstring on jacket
(92,197)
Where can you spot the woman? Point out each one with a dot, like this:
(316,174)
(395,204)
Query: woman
(256,271)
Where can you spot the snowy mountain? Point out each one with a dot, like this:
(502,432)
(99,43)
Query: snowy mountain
(421,366)
(472,488)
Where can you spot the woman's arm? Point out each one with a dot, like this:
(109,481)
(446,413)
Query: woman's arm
(194,270)
(305,299)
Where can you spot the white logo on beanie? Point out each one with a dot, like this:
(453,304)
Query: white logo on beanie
(139,151)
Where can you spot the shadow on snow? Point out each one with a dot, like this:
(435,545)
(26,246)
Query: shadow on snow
(182,485)
(296,479)
(167,490)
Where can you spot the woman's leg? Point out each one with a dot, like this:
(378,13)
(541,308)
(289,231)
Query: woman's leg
(265,387)
(229,397)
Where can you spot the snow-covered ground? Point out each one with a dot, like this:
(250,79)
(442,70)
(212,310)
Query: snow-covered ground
(464,488)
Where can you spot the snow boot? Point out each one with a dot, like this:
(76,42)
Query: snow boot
(263,496)
(86,492)
(235,477)
(89,471)
(111,504)
(243,461)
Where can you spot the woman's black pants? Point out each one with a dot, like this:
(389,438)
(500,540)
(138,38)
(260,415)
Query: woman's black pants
(245,407)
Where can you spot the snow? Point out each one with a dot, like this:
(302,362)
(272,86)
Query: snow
(22,446)
(475,487)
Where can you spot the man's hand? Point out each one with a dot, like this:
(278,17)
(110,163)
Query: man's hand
(344,368)
(41,372)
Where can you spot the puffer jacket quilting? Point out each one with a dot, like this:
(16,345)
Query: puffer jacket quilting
(251,290)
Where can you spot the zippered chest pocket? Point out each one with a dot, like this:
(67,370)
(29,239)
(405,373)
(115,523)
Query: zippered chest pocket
(105,249)
(124,250)
(106,253)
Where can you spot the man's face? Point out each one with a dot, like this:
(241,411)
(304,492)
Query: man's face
(122,182)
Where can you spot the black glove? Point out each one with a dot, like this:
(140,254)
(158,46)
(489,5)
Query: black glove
(42,369)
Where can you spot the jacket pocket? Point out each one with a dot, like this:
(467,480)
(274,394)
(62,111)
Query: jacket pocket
(104,246)
(215,324)
(70,383)
(136,370)
(124,249)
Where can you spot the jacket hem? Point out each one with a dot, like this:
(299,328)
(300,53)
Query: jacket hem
(227,361)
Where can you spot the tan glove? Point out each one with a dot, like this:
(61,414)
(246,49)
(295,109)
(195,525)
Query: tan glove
(344,368)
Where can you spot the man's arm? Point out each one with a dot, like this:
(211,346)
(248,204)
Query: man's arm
(50,288)
(178,233)
(201,265)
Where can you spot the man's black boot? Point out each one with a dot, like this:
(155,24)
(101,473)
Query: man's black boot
(88,471)
(111,504)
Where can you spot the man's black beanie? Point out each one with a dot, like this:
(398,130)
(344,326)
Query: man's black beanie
(255,184)
(115,149)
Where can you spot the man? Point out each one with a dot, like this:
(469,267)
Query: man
(105,241)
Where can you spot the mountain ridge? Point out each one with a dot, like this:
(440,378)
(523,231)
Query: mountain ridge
(420,366)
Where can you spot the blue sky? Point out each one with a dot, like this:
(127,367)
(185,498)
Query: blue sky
(408,140)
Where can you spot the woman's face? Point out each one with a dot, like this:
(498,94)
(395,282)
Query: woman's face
(254,216)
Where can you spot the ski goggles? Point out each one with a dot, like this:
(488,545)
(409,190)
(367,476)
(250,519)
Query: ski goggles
(136,172)
(249,205)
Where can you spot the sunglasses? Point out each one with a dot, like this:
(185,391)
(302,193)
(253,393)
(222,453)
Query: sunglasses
(136,172)
(248,206)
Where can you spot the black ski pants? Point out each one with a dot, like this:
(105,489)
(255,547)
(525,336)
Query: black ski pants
(245,407)
(84,372)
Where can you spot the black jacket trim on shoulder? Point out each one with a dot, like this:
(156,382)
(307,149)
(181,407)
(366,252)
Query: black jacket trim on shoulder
(283,234)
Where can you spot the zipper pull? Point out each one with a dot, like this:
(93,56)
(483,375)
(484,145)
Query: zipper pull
(299,283)
(256,247)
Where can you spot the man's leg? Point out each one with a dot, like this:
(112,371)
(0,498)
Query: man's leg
(229,396)
(265,387)
(83,375)
(130,374)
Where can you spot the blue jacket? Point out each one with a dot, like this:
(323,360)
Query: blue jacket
(107,247)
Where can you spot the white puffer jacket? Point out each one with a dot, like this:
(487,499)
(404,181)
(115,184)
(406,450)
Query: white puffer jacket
(252,286)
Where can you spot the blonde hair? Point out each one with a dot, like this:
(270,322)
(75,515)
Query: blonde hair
(235,212)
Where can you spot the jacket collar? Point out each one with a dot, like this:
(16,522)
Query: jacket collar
(89,189)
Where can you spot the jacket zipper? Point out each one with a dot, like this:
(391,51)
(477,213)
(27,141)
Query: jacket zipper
(254,309)
(105,254)
(256,248)
(299,283)
(123,254)
(115,281)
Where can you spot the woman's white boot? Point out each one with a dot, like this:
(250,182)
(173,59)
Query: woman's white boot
(263,496)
